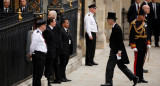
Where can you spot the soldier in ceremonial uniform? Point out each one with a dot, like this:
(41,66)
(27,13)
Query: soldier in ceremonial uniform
(118,54)
(139,42)
(91,34)
(38,50)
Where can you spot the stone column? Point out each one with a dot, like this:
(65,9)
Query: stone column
(100,17)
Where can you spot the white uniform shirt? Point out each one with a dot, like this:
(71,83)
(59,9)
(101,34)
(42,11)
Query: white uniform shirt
(38,42)
(90,23)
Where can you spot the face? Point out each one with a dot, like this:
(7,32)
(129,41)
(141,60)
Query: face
(43,27)
(141,17)
(23,3)
(138,1)
(147,10)
(109,21)
(93,10)
(50,15)
(153,1)
(6,3)
(53,24)
(147,0)
(66,24)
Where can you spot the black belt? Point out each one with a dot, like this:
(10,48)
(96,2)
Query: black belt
(39,52)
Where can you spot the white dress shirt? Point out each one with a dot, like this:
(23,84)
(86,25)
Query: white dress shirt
(154,9)
(50,27)
(90,23)
(5,9)
(38,42)
(137,5)
(113,25)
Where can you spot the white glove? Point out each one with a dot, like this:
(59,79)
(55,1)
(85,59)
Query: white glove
(135,49)
(148,46)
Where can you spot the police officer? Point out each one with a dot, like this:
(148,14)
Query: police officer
(139,43)
(38,50)
(91,34)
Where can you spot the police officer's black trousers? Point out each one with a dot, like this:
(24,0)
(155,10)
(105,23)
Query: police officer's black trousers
(38,66)
(64,58)
(139,60)
(90,47)
(111,65)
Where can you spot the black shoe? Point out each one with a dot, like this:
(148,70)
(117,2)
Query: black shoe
(56,82)
(88,64)
(93,63)
(145,71)
(63,80)
(68,80)
(108,84)
(156,45)
(49,84)
(143,81)
(135,81)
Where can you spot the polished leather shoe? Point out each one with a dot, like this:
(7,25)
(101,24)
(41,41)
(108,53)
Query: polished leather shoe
(68,80)
(145,71)
(88,64)
(63,80)
(135,81)
(156,45)
(93,63)
(107,84)
(56,82)
(143,81)
(49,84)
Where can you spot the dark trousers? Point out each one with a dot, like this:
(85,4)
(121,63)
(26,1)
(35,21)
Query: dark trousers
(155,27)
(90,48)
(64,58)
(111,65)
(138,63)
(38,60)
(49,65)
(56,65)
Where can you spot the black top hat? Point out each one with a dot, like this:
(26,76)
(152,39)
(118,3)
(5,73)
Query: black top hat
(141,12)
(111,15)
(41,22)
(92,6)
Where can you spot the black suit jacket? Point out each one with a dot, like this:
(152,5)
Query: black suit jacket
(116,43)
(49,36)
(66,47)
(151,15)
(26,9)
(10,10)
(132,13)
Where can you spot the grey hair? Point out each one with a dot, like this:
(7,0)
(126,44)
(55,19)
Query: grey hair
(54,13)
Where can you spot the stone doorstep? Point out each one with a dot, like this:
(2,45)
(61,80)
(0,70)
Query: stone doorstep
(74,63)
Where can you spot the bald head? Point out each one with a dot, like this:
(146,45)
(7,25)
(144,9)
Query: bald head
(146,9)
(52,14)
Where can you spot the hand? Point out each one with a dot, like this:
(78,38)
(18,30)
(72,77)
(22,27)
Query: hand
(135,49)
(96,35)
(91,38)
(148,46)
(119,53)
(29,55)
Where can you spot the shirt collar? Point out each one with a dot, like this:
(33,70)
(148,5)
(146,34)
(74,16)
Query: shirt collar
(50,27)
(91,13)
(113,25)
(65,29)
(39,31)
(6,8)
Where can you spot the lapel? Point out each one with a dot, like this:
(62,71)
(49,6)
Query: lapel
(65,33)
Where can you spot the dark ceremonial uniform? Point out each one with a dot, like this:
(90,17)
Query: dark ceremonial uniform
(140,40)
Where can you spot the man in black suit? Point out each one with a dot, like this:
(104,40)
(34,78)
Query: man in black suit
(118,54)
(154,18)
(48,35)
(57,35)
(23,6)
(6,8)
(133,11)
(66,50)
(139,43)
